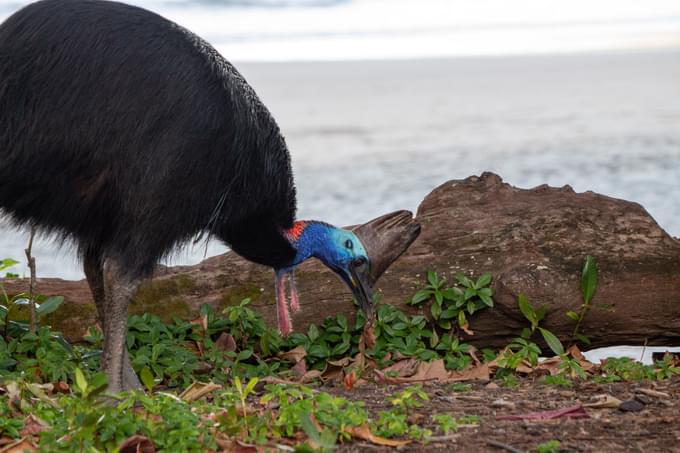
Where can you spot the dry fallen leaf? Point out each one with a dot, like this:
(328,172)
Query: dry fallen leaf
(368,336)
(236,446)
(198,390)
(577,355)
(225,342)
(20,446)
(299,369)
(364,432)
(137,444)
(34,425)
(412,370)
(349,380)
(295,355)
(653,393)
(604,402)
(576,411)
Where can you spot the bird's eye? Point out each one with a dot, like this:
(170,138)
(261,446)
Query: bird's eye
(348,244)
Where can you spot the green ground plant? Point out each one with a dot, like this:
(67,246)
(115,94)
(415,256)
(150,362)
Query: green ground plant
(169,356)
(588,287)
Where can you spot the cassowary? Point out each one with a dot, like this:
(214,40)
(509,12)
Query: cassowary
(128,135)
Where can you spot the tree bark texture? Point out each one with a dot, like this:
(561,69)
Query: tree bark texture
(532,241)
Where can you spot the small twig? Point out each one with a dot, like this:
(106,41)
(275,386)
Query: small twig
(442,438)
(644,348)
(501,445)
(31,287)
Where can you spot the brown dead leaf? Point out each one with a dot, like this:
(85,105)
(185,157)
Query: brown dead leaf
(198,390)
(653,393)
(550,365)
(577,355)
(61,387)
(236,446)
(342,363)
(604,402)
(471,373)
(202,322)
(300,368)
(33,425)
(310,375)
(364,432)
(20,446)
(368,335)
(412,370)
(137,444)
(349,380)
(225,342)
(295,355)
(466,329)
(402,368)
(428,371)
(576,411)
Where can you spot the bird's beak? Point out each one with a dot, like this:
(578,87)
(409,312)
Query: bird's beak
(360,277)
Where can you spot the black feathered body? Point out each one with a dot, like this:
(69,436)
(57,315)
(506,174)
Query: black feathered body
(128,134)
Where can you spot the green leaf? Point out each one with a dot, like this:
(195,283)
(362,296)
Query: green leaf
(420,296)
(589,279)
(244,355)
(433,279)
(526,309)
(553,342)
(526,333)
(7,262)
(485,298)
(436,310)
(573,315)
(444,324)
(583,339)
(462,320)
(147,378)
(251,385)
(81,382)
(483,281)
(463,280)
(452,293)
(309,428)
(313,333)
(434,339)
(50,305)
(540,313)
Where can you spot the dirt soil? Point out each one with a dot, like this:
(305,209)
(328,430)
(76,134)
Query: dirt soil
(655,428)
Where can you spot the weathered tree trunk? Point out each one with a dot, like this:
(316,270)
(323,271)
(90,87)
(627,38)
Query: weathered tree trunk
(531,241)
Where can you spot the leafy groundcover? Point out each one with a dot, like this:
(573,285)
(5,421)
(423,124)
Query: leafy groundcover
(227,382)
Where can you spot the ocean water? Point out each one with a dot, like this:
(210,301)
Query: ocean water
(313,30)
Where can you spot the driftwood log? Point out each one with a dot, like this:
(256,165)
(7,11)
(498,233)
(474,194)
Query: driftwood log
(531,241)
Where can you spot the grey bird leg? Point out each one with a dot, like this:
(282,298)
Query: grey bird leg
(92,264)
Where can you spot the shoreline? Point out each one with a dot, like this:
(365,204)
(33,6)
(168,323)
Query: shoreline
(371,137)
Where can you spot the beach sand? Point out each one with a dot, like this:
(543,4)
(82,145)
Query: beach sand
(370,137)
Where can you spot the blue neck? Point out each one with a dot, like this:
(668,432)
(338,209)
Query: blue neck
(312,242)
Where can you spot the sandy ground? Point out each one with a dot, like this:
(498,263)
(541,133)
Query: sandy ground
(654,428)
(369,137)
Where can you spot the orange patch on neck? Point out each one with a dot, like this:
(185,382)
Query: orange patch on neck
(296,230)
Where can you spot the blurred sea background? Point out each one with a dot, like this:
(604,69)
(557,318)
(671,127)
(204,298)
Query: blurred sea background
(383,100)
